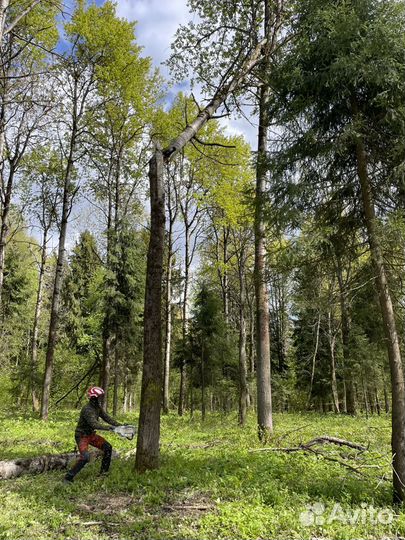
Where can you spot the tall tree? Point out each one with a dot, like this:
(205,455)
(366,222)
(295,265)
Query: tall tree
(346,83)
(24,104)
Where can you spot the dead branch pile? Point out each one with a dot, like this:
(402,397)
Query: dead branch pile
(311,447)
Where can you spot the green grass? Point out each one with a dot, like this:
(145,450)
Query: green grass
(210,485)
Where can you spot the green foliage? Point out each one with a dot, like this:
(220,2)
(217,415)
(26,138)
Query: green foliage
(19,293)
(82,296)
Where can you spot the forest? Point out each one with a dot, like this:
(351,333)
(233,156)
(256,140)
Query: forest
(215,247)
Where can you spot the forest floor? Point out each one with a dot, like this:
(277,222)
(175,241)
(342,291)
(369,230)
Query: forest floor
(211,485)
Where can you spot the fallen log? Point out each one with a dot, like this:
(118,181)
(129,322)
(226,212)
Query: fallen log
(36,465)
(14,468)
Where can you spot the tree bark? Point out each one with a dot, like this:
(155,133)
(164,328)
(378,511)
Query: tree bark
(390,328)
(263,365)
(172,212)
(37,317)
(54,320)
(14,468)
(243,384)
(332,347)
(116,381)
(311,384)
(203,406)
(18,467)
(168,333)
(147,452)
(345,331)
(182,392)
(4,226)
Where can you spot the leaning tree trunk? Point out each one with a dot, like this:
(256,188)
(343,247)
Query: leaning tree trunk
(147,452)
(54,320)
(390,328)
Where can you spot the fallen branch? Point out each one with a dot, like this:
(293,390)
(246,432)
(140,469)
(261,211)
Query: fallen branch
(89,372)
(317,441)
(309,447)
(176,507)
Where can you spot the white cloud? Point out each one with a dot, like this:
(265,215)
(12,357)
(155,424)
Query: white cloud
(157,22)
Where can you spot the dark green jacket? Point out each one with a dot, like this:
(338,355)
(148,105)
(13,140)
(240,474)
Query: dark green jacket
(88,421)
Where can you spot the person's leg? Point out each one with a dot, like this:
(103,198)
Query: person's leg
(83,445)
(102,444)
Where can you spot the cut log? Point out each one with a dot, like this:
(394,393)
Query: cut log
(17,467)
(53,462)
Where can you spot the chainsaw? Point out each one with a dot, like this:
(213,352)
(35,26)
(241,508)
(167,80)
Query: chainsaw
(127,431)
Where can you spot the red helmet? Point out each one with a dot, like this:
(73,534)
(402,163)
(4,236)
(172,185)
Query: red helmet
(95,391)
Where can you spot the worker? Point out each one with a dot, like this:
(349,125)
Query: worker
(85,433)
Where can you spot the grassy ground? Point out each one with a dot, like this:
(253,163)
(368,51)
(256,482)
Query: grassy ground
(210,485)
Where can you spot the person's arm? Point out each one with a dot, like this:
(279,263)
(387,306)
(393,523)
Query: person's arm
(91,418)
(109,419)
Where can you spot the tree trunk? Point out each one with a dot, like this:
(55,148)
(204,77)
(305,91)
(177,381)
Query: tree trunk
(203,406)
(116,381)
(243,384)
(344,400)
(345,330)
(4,227)
(365,398)
(263,365)
(18,467)
(147,452)
(108,334)
(168,333)
(3,12)
(391,334)
(37,316)
(377,401)
(14,468)
(53,324)
(386,401)
(311,384)
(332,346)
